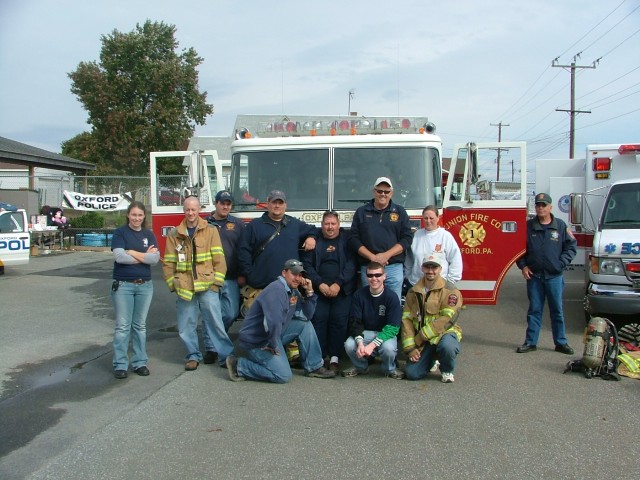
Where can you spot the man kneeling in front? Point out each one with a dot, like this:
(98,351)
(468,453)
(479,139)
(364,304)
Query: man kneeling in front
(280,314)
(429,323)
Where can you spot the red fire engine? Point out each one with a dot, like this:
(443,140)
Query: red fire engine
(330,163)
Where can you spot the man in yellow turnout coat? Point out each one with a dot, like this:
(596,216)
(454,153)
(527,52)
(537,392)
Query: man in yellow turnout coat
(429,323)
(194,267)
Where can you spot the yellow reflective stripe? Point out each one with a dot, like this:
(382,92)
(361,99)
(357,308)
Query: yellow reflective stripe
(169,282)
(200,286)
(448,312)
(217,251)
(408,342)
(184,294)
(428,332)
(203,257)
(171,257)
(632,364)
(219,277)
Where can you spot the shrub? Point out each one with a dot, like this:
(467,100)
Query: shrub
(88,220)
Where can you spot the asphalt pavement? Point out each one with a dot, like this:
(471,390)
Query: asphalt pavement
(508,415)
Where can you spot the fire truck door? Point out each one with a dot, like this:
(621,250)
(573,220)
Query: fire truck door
(485,209)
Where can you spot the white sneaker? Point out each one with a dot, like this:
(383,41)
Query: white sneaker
(435,367)
(447,377)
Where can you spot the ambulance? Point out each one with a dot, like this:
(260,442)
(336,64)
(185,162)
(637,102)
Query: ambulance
(331,162)
(15,239)
(600,197)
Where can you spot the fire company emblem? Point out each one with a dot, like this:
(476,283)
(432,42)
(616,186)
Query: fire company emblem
(472,234)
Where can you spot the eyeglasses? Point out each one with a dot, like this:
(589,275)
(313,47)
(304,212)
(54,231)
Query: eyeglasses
(374,275)
(382,192)
(541,204)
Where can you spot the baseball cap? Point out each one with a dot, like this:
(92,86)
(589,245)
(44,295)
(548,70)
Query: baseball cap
(543,198)
(380,180)
(295,266)
(434,259)
(223,196)
(276,195)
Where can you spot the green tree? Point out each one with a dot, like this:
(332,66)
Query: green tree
(142,96)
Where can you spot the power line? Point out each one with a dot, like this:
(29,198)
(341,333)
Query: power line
(572,111)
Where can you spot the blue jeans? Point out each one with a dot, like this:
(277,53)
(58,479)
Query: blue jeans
(387,352)
(395,277)
(131,304)
(215,337)
(537,290)
(330,322)
(229,302)
(447,350)
(264,365)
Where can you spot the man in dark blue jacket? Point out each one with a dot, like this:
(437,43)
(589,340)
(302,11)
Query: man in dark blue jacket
(381,232)
(550,248)
(268,241)
(331,267)
(279,315)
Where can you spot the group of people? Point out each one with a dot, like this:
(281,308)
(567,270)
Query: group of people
(298,288)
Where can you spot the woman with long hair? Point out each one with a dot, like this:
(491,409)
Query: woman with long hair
(135,250)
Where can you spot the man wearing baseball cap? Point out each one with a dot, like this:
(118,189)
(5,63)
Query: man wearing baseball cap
(279,315)
(381,232)
(550,248)
(229,228)
(430,323)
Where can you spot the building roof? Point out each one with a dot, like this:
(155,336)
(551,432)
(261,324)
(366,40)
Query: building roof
(23,154)
(221,144)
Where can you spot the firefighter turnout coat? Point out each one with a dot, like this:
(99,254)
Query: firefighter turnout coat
(194,264)
(429,314)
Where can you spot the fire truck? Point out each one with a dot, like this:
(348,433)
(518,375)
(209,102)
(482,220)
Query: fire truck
(330,163)
(600,198)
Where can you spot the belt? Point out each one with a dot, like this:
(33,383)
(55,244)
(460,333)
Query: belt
(137,281)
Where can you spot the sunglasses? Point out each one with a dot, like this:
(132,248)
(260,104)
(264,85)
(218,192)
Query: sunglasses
(374,275)
(382,192)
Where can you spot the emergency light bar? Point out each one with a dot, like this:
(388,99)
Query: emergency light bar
(629,149)
(290,126)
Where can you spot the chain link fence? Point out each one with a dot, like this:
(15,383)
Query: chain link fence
(50,187)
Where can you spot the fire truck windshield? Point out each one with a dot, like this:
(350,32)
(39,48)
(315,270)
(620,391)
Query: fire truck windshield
(335,177)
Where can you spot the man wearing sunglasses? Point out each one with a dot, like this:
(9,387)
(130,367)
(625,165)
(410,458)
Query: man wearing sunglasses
(279,315)
(381,232)
(374,323)
(429,323)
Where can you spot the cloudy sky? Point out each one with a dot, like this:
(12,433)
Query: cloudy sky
(465,64)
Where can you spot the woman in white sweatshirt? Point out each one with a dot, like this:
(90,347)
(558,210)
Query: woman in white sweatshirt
(427,240)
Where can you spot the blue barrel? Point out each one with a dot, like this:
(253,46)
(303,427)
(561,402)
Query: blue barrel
(94,239)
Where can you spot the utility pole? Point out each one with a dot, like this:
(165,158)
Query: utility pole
(572,111)
(499,125)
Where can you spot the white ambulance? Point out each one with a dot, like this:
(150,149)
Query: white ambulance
(600,196)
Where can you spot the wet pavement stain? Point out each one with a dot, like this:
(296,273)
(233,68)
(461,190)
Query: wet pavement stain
(27,399)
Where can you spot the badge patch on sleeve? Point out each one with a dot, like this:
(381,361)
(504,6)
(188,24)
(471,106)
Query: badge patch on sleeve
(453,300)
